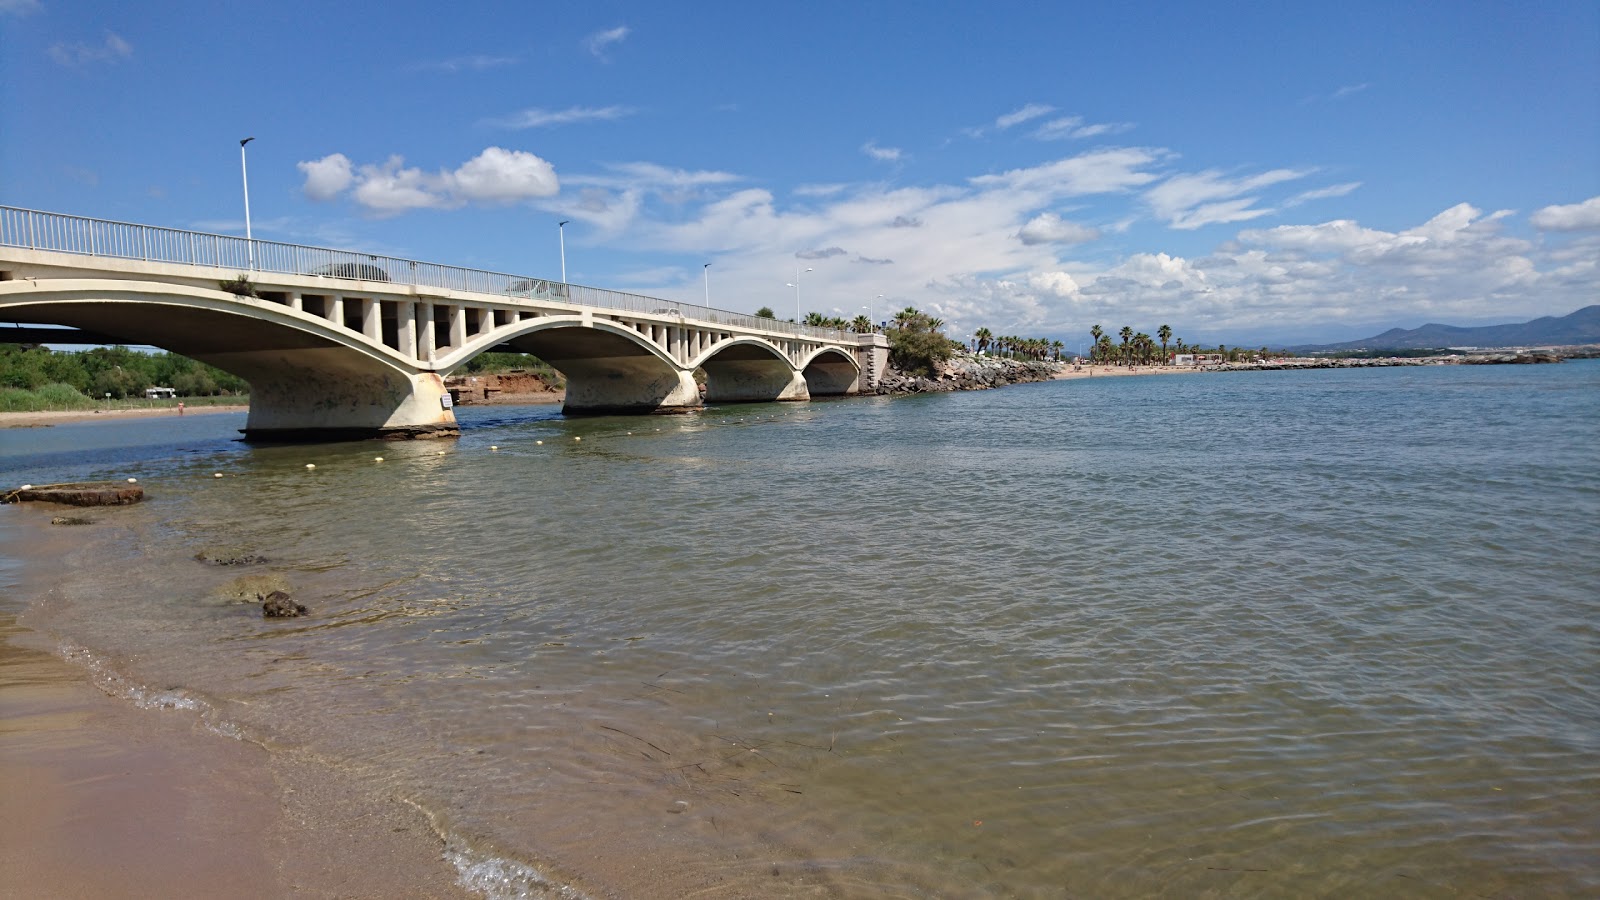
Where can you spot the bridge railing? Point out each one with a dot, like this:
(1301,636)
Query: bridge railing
(61,233)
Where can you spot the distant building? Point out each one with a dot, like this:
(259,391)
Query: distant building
(160,393)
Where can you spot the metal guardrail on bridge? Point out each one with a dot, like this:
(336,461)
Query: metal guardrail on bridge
(61,233)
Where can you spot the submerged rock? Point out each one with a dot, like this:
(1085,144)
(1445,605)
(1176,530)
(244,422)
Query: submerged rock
(278,605)
(71,520)
(93,493)
(229,556)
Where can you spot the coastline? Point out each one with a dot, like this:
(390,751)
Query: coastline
(103,795)
(46,418)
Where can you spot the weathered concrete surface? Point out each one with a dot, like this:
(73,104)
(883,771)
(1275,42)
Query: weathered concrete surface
(93,493)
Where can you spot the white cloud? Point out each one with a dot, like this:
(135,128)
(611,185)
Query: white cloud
(1073,128)
(327,177)
(881,154)
(113,49)
(495,176)
(1049,228)
(1337,190)
(1026,113)
(505,176)
(1350,90)
(1206,198)
(19,7)
(600,41)
(1583,216)
(476,63)
(544,118)
(1099,171)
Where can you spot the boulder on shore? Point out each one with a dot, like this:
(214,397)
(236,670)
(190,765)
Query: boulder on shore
(278,605)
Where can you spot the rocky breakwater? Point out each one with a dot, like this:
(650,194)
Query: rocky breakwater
(969,373)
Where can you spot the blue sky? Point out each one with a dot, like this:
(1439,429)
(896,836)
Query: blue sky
(1244,172)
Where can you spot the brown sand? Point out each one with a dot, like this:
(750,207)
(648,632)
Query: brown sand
(99,798)
(62,417)
(1088,371)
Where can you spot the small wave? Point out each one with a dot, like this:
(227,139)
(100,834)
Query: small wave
(496,877)
(117,685)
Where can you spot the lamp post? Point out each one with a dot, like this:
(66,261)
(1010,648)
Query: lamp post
(244,173)
(706,270)
(561,234)
(796,286)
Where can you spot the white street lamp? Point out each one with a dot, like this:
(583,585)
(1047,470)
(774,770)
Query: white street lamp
(244,173)
(796,286)
(706,270)
(561,233)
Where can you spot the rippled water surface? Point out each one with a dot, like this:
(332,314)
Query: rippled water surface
(1256,634)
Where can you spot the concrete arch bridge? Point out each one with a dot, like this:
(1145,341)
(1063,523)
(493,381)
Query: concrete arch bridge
(338,345)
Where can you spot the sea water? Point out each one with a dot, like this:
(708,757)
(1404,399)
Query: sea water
(1322,633)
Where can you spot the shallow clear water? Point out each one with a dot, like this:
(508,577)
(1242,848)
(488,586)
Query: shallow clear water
(1311,633)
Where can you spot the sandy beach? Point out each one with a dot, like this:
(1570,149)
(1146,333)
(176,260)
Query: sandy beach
(100,798)
(1115,371)
(63,417)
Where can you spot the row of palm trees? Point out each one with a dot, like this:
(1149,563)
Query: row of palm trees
(1015,347)
(1137,348)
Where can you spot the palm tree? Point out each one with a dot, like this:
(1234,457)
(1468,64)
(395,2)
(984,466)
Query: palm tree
(1165,333)
(1096,332)
(861,324)
(983,336)
(1057,346)
(1127,337)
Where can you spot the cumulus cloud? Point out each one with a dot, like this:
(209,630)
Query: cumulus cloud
(112,50)
(881,154)
(1049,228)
(1583,216)
(495,176)
(327,177)
(505,176)
(1206,198)
(600,41)
(545,118)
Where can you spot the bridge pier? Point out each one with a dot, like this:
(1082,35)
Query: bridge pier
(310,405)
(605,390)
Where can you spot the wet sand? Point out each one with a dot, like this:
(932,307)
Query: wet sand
(102,798)
(63,417)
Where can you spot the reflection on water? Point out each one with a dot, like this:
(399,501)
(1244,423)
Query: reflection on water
(1323,632)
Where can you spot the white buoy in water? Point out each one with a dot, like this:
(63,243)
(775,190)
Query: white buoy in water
(494,446)
(377,459)
(540,443)
(218,475)
(577,438)
(133,481)
(311,465)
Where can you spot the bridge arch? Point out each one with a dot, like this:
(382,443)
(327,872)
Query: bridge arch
(749,370)
(307,376)
(830,372)
(609,367)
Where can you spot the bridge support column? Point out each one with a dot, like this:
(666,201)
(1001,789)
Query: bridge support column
(315,404)
(604,392)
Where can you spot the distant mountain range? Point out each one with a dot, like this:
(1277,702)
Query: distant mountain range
(1581,327)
